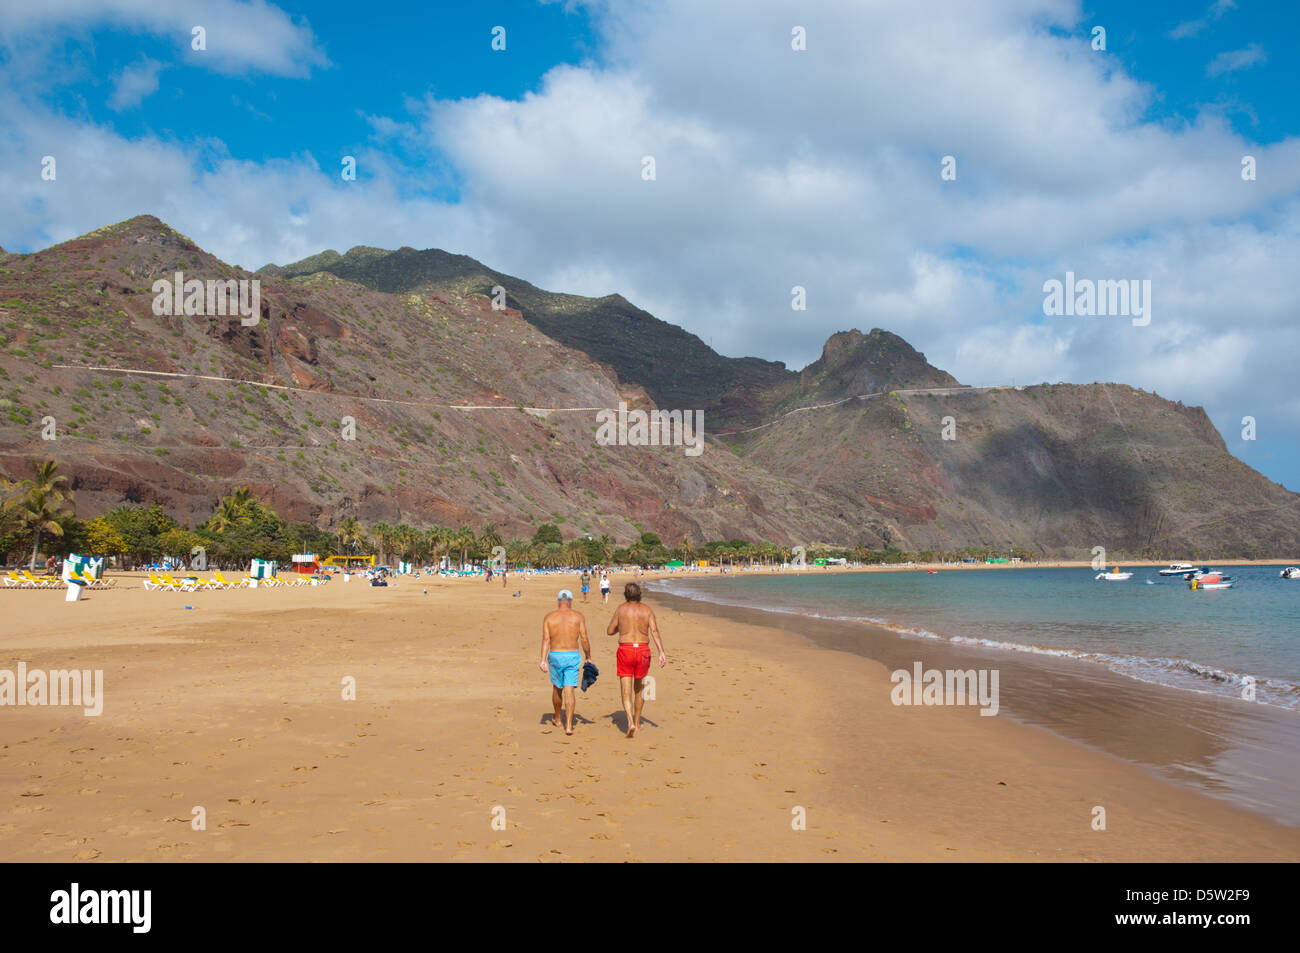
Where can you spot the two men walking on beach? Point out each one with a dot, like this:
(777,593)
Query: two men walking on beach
(564,629)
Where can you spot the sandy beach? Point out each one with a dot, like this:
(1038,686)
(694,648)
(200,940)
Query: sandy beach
(236,706)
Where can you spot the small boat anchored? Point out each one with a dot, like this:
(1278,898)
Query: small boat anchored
(1290,572)
(1114,575)
(1177,569)
(1210,579)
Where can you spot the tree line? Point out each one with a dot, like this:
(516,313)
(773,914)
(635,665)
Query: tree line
(39,516)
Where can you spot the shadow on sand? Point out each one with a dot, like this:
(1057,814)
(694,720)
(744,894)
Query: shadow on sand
(619,718)
(578,719)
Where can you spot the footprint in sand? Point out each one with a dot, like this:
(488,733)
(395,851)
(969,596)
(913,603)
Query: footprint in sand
(89,854)
(243,801)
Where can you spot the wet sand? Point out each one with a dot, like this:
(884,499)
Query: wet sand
(1223,747)
(237,707)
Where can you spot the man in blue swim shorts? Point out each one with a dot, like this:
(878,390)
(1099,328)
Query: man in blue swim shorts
(563,630)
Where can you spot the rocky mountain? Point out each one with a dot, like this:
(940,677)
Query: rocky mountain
(385,385)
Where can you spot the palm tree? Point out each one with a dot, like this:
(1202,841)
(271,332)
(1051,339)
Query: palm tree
(464,540)
(688,551)
(39,510)
(434,539)
(384,536)
(48,479)
(227,514)
(490,536)
(575,552)
(404,538)
(42,502)
(519,552)
(350,532)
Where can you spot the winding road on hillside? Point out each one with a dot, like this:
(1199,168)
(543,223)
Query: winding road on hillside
(536,411)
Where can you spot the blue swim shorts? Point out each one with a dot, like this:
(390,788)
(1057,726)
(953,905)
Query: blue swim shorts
(566,668)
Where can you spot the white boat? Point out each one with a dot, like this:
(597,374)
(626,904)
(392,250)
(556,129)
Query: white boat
(1290,572)
(1177,569)
(1197,584)
(1114,575)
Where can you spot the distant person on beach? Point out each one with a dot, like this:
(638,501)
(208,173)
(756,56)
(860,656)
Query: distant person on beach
(604,586)
(563,630)
(586,584)
(634,624)
(503,578)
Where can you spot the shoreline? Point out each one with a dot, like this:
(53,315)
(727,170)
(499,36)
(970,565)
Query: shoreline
(1030,736)
(235,706)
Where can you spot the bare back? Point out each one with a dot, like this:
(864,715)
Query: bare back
(565,628)
(633,621)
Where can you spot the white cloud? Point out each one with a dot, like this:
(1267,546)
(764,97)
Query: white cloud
(134,83)
(1193,27)
(1232,60)
(241,35)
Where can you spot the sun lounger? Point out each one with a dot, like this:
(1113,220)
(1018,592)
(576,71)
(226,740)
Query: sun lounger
(184,585)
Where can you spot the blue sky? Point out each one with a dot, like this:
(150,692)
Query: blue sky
(364,65)
(775,167)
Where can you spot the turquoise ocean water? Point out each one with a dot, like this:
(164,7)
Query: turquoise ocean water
(1145,669)
(1150,628)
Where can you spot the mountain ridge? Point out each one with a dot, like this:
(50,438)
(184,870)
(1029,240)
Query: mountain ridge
(466,413)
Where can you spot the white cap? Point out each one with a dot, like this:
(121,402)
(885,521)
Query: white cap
(565,595)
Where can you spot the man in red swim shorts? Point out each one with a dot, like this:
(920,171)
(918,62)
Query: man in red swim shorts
(634,624)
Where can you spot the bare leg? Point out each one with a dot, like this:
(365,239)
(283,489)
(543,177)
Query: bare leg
(639,688)
(569,703)
(625,687)
(555,700)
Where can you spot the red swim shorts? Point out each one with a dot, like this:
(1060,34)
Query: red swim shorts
(633,659)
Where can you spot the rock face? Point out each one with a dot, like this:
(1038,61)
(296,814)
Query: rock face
(387,385)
